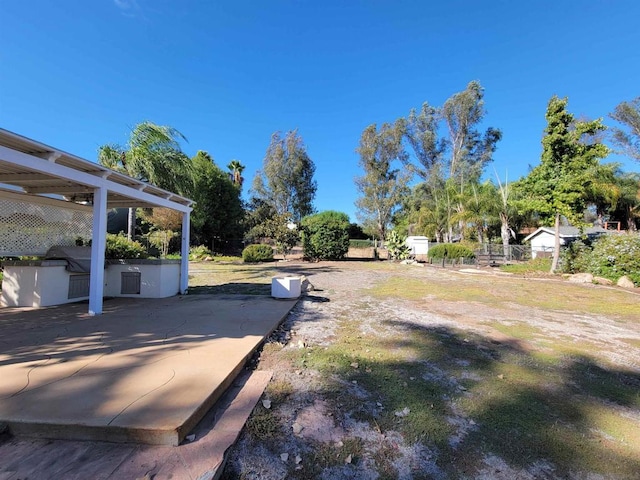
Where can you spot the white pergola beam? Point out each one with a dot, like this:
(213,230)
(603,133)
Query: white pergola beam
(60,171)
(184,251)
(60,190)
(22,177)
(86,179)
(98,245)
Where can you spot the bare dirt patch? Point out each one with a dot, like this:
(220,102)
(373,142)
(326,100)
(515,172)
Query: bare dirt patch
(394,371)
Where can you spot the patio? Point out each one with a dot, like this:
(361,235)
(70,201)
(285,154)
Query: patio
(146,372)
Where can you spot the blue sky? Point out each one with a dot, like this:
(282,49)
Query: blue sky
(76,74)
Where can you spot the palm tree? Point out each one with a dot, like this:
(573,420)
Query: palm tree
(603,189)
(628,206)
(506,213)
(153,155)
(236,168)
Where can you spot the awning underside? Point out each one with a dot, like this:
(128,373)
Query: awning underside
(40,181)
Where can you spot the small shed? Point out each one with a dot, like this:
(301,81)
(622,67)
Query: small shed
(418,245)
(543,239)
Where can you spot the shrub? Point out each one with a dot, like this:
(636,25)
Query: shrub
(325,235)
(397,247)
(257,253)
(119,246)
(278,229)
(612,257)
(199,252)
(450,250)
(572,257)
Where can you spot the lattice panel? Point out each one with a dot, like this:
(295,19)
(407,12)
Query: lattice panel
(32,228)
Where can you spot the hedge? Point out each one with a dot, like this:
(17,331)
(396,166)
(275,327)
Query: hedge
(257,253)
(450,250)
(119,246)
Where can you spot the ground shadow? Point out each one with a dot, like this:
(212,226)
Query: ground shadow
(469,398)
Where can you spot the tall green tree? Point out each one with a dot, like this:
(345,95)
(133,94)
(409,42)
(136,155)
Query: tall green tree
(217,217)
(470,149)
(257,212)
(628,114)
(559,186)
(286,179)
(153,155)
(382,186)
(421,132)
(446,141)
(450,152)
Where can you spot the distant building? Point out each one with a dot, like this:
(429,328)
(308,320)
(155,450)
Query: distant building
(543,239)
(418,245)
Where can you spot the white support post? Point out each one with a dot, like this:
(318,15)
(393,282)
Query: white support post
(184,263)
(98,245)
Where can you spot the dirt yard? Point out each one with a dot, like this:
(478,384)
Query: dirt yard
(399,371)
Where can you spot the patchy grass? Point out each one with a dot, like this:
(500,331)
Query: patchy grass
(530,397)
(411,288)
(327,455)
(221,278)
(227,259)
(518,330)
(504,292)
(523,407)
(264,424)
(536,266)
(563,414)
(279,391)
(389,371)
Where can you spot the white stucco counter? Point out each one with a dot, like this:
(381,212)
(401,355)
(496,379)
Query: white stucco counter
(42,283)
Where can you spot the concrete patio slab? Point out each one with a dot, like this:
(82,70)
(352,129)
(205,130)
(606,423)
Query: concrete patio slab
(201,459)
(146,371)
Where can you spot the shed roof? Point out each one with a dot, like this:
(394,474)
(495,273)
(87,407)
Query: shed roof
(566,232)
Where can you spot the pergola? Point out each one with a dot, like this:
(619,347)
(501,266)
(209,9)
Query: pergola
(37,169)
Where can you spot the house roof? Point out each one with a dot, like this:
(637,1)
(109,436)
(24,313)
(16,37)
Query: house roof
(566,232)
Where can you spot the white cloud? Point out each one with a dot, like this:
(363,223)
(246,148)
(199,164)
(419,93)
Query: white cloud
(129,8)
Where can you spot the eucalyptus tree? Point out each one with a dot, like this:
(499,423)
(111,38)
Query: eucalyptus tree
(382,186)
(448,148)
(153,155)
(559,186)
(420,129)
(286,180)
(470,149)
(628,114)
(445,141)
